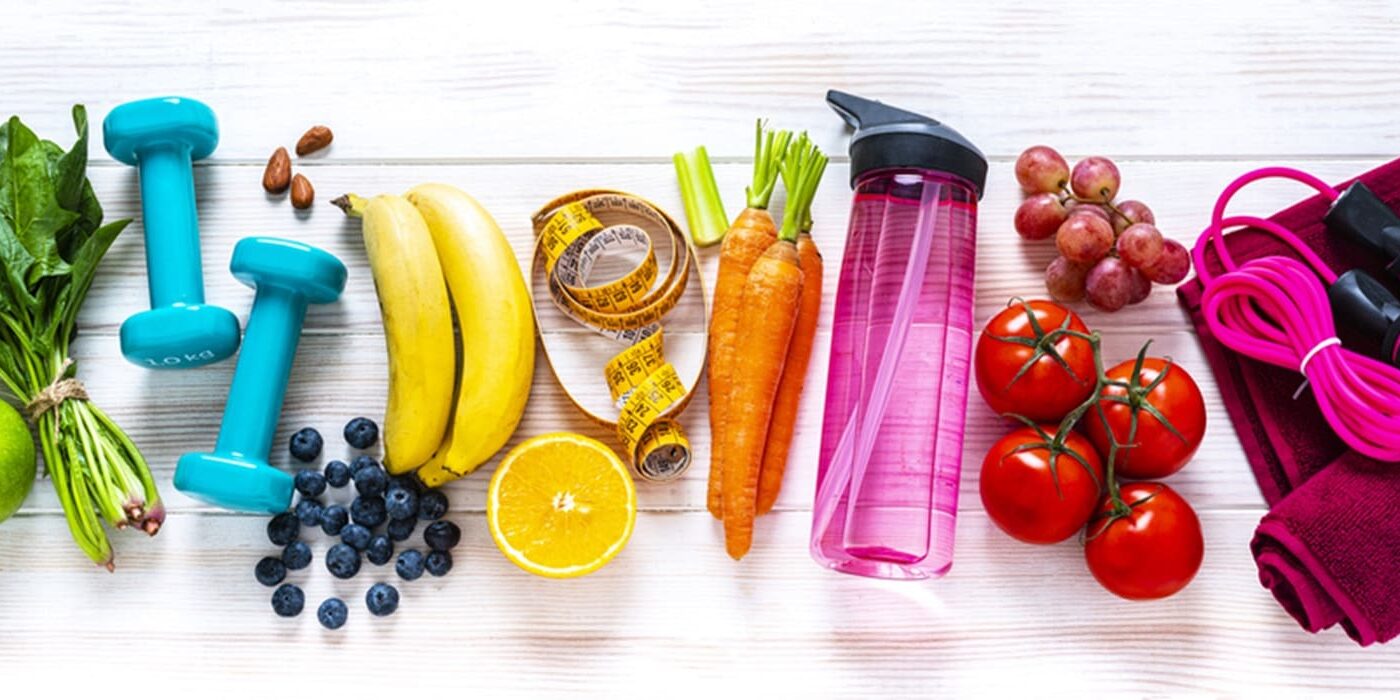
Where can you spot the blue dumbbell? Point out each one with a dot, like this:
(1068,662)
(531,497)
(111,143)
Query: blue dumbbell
(287,276)
(162,137)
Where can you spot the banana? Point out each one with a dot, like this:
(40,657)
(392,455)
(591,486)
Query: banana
(417,327)
(495,323)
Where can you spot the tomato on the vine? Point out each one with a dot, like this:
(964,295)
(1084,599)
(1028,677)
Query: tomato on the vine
(1170,414)
(1151,551)
(1039,489)
(1024,368)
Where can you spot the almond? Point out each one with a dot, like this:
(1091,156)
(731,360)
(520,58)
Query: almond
(303,194)
(279,172)
(315,138)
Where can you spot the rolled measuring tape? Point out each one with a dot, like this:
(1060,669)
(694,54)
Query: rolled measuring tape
(572,234)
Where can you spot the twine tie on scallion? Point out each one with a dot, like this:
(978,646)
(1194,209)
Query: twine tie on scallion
(61,389)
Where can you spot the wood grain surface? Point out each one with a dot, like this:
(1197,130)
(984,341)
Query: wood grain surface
(524,101)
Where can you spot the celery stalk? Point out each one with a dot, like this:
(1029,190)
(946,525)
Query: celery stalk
(704,211)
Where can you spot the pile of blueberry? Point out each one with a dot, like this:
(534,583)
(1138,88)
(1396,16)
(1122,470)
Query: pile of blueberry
(393,503)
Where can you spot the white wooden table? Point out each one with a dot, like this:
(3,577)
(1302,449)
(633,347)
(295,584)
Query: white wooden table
(525,101)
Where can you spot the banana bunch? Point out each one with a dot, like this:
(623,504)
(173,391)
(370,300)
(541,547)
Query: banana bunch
(432,250)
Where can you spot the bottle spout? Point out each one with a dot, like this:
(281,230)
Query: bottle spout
(861,113)
(890,137)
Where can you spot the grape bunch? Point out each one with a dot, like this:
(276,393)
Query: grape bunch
(1110,251)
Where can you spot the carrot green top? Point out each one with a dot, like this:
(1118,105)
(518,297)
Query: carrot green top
(802,169)
(769,149)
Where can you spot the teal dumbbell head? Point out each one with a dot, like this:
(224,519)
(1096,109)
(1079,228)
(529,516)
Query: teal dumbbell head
(162,137)
(287,276)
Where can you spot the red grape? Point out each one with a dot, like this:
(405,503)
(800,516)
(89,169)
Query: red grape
(1171,266)
(1039,216)
(1139,288)
(1097,210)
(1084,239)
(1109,284)
(1041,169)
(1065,280)
(1140,245)
(1137,213)
(1095,178)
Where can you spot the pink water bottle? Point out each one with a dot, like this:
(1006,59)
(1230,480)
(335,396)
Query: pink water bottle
(896,396)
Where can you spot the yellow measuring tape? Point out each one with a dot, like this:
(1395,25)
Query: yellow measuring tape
(574,232)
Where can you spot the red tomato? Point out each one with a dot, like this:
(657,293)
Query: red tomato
(1046,390)
(1019,487)
(1153,551)
(1157,451)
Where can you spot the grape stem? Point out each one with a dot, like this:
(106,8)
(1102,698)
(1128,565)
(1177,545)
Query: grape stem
(1104,202)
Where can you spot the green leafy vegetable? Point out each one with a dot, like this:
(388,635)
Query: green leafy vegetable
(703,209)
(51,241)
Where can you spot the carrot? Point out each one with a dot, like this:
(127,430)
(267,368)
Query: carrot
(771,303)
(749,236)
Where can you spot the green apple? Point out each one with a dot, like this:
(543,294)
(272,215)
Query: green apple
(17,462)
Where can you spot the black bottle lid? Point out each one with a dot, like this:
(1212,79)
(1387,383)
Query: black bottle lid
(889,137)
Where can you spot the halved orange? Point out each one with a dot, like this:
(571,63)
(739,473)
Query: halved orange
(561,505)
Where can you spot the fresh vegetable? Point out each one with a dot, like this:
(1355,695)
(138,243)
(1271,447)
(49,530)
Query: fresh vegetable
(51,241)
(748,237)
(1154,406)
(771,301)
(1041,485)
(1025,367)
(17,461)
(704,211)
(1150,551)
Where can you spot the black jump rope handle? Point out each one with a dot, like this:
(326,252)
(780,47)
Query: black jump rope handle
(1366,314)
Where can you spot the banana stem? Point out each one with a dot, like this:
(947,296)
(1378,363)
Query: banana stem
(352,204)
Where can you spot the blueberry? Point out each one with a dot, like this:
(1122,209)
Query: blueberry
(296,555)
(283,528)
(306,444)
(410,564)
(408,482)
(310,483)
(432,505)
(332,613)
(438,562)
(442,535)
(333,519)
(309,512)
(382,599)
(380,550)
(288,600)
(356,536)
(370,479)
(337,473)
(401,503)
(401,528)
(368,511)
(361,433)
(270,571)
(342,561)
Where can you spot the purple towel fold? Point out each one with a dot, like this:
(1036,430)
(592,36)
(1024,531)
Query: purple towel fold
(1329,549)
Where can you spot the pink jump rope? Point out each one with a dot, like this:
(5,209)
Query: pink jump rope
(1277,310)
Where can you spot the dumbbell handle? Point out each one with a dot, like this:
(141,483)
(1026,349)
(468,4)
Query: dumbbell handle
(264,366)
(171,222)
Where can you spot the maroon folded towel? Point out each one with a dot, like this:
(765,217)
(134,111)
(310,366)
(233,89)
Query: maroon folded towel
(1328,547)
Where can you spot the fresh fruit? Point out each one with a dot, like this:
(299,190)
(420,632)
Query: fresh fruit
(368,511)
(310,483)
(305,445)
(417,316)
(334,519)
(270,571)
(277,177)
(1022,369)
(356,536)
(17,460)
(1171,266)
(401,504)
(288,600)
(315,138)
(1139,287)
(443,535)
(342,561)
(1109,285)
(1084,239)
(1041,169)
(438,562)
(370,479)
(1160,413)
(1140,245)
(332,613)
(432,505)
(1095,210)
(1040,216)
(1041,487)
(561,505)
(409,565)
(361,433)
(1065,280)
(1129,212)
(337,473)
(1095,178)
(382,599)
(496,324)
(309,512)
(380,550)
(296,555)
(1151,551)
(283,528)
(401,529)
